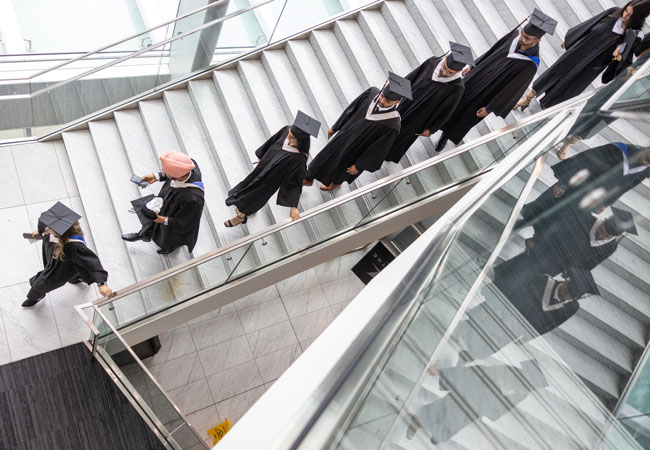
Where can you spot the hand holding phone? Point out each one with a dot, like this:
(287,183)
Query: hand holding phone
(139,181)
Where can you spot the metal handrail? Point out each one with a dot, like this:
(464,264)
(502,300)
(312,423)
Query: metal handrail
(135,54)
(249,239)
(606,108)
(113,44)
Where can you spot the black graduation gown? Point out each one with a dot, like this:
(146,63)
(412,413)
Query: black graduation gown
(589,47)
(562,241)
(183,208)
(605,166)
(523,284)
(358,141)
(496,83)
(277,169)
(79,263)
(432,105)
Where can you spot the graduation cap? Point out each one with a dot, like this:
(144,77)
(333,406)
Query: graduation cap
(459,56)
(397,88)
(581,282)
(306,124)
(539,23)
(621,222)
(59,218)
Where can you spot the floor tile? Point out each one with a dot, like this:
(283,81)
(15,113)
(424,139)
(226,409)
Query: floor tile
(303,302)
(30,331)
(215,331)
(234,408)
(204,420)
(19,259)
(270,339)
(234,381)
(298,283)
(173,344)
(178,372)
(263,315)
(12,194)
(39,172)
(273,365)
(312,324)
(225,355)
(192,397)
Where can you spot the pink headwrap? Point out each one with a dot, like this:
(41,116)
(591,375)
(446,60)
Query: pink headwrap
(176,164)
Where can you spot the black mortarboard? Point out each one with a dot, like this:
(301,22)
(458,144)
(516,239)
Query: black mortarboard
(581,282)
(621,222)
(397,88)
(306,123)
(145,215)
(459,56)
(59,218)
(539,23)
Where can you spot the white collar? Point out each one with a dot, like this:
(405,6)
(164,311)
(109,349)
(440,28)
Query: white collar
(618,26)
(286,147)
(380,116)
(436,74)
(626,166)
(513,54)
(76,240)
(592,235)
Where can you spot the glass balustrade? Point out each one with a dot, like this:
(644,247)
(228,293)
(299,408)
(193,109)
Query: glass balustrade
(162,415)
(47,94)
(256,253)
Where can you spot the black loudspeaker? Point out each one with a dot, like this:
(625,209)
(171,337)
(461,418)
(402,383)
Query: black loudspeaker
(373,262)
(144,349)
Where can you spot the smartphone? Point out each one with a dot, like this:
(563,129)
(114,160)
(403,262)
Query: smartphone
(29,236)
(139,181)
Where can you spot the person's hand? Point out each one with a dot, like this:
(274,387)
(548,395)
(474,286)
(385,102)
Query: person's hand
(466,70)
(562,45)
(151,178)
(352,170)
(159,218)
(482,112)
(105,290)
(330,132)
(35,234)
(558,191)
(426,133)
(617,54)
(295,214)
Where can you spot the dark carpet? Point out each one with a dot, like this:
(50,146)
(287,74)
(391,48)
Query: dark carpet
(62,400)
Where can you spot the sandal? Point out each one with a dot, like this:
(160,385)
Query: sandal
(524,102)
(561,153)
(228,223)
(330,187)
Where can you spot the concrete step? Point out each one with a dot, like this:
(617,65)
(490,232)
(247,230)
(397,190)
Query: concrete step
(102,220)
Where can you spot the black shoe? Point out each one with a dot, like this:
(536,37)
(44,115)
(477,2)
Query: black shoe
(166,251)
(131,237)
(27,303)
(441,143)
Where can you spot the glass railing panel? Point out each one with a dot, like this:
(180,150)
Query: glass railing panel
(429,181)
(143,389)
(464,261)
(356,210)
(129,372)
(624,94)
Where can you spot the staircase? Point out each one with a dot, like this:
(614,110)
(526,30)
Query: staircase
(221,120)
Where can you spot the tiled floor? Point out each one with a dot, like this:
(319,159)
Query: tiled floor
(218,365)
(34,176)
